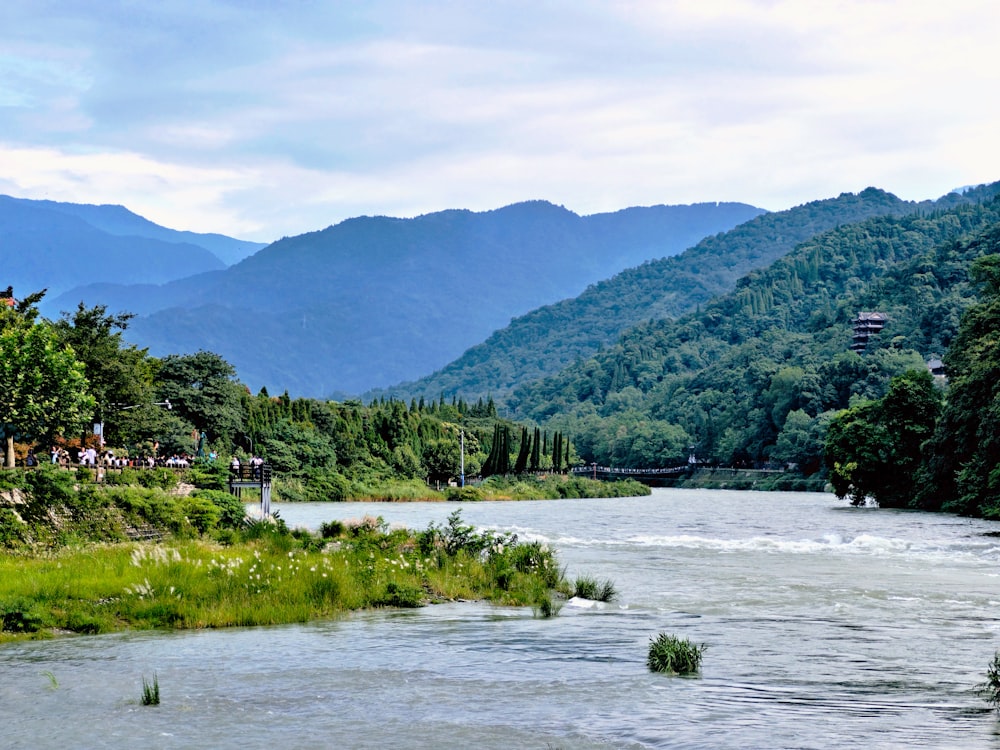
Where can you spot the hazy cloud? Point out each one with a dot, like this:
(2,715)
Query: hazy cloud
(263,119)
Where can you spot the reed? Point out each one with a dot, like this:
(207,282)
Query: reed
(150,692)
(586,587)
(673,655)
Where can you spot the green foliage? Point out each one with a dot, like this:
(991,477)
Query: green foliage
(673,655)
(43,388)
(962,470)
(466,494)
(231,510)
(150,692)
(21,615)
(118,374)
(551,338)
(727,378)
(990,690)
(11,529)
(158,477)
(208,476)
(204,392)
(874,449)
(599,591)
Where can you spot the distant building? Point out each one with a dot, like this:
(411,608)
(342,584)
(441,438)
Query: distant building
(7,298)
(936,367)
(866,325)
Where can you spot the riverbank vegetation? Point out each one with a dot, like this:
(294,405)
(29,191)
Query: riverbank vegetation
(258,572)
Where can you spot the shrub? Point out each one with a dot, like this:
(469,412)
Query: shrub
(589,588)
(990,690)
(464,494)
(331,529)
(202,513)
(399,595)
(11,529)
(20,616)
(151,692)
(673,655)
(545,607)
(232,511)
(208,476)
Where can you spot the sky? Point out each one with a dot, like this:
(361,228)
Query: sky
(261,119)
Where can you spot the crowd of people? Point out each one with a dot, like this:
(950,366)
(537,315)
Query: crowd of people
(91,457)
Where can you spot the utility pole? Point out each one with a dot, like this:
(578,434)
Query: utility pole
(461,463)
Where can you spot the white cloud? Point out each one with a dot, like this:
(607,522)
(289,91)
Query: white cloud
(260,122)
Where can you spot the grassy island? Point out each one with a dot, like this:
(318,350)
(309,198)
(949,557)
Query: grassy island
(71,561)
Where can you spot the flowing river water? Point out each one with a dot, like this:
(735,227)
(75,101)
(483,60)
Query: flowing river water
(825,626)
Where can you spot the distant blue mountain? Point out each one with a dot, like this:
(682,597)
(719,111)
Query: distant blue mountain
(58,246)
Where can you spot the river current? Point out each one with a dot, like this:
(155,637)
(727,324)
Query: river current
(825,626)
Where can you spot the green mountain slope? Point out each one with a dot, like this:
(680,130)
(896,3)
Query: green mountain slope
(375,300)
(755,375)
(552,337)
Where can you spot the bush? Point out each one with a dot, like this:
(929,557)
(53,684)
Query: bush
(399,595)
(232,511)
(990,690)
(464,494)
(331,529)
(590,588)
(673,655)
(208,476)
(11,529)
(201,512)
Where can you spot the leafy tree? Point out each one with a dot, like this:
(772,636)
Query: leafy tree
(441,459)
(203,390)
(120,375)
(874,448)
(962,473)
(43,389)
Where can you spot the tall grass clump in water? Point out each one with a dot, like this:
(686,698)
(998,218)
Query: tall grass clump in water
(590,588)
(151,692)
(673,655)
(990,690)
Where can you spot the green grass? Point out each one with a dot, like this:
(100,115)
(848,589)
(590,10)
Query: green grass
(150,692)
(673,655)
(599,591)
(271,576)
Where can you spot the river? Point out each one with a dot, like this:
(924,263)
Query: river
(825,626)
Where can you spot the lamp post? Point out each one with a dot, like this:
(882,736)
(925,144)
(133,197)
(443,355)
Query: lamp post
(461,462)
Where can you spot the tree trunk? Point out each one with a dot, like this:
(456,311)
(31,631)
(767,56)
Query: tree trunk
(8,458)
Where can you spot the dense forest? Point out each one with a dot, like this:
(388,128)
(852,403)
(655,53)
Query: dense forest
(553,337)
(58,379)
(756,376)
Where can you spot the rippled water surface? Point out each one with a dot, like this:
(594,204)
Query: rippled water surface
(826,626)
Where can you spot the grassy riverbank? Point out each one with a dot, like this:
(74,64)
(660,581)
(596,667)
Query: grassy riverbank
(528,487)
(71,562)
(270,576)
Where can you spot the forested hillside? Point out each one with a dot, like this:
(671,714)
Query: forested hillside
(756,375)
(550,338)
(375,300)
